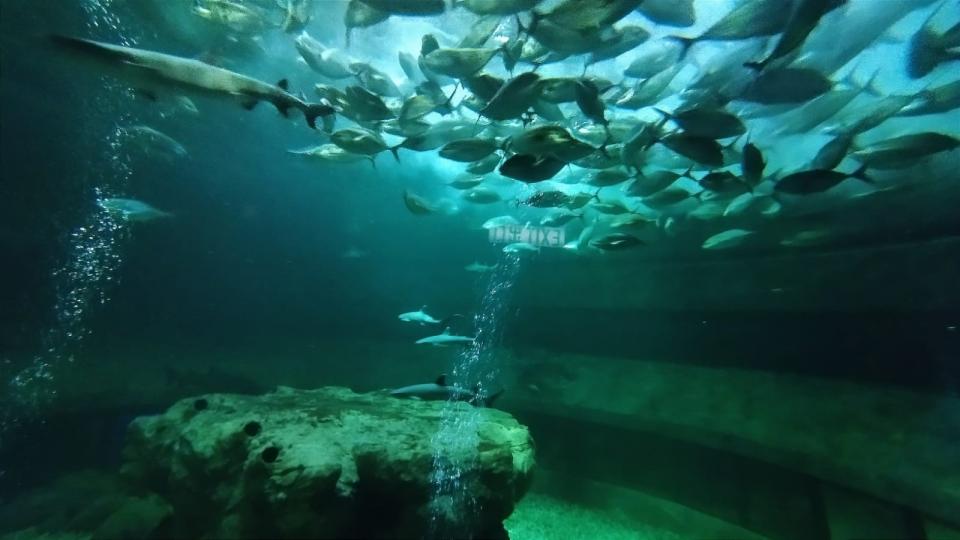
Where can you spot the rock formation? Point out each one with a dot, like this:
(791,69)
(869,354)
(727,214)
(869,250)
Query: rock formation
(326,463)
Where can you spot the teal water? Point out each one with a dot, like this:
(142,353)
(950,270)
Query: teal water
(748,385)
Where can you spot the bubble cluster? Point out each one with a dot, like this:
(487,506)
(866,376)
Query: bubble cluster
(91,258)
(101,15)
(455,443)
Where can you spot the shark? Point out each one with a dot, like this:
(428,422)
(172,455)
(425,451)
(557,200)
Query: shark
(480,267)
(444,339)
(423,318)
(151,72)
(440,390)
(420,317)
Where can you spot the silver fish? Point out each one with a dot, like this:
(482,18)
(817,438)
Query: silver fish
(669,12)
(514,98)
(362,141)
(328,62)
(468,150)
(458,63)
(132,209)
(727,239)
(804,18)
(905,151)
(937,100)
(707,122)
(481,195)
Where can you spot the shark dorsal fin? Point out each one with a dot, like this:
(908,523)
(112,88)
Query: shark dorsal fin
(441,380)
(423,307)
(446,331)
(283,84)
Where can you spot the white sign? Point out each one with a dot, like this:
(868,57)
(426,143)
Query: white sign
(531,234)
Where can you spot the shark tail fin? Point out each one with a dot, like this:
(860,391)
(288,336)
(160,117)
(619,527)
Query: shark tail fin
(313,110)
(861,174)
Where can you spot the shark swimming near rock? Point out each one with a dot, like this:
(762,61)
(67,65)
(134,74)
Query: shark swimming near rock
(440,390)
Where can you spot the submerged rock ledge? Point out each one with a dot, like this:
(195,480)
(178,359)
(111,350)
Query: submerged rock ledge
(325,463)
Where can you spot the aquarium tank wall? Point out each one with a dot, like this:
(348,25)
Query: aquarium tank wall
(444,269)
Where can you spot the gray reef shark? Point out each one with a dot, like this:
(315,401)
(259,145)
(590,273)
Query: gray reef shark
(420,317)
(440,390)
(151,72)
(446,338)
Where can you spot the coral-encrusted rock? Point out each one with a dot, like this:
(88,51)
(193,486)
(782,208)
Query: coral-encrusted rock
(326,463)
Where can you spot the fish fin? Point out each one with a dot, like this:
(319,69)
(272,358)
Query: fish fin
(755,66)
(870,86)
(449,99)
(329,121)
(395,150)
(687,172)
(535,18)
(441,380)
(684,42)
(861,174)
(446,331)
(284,85)
(249,104)
(730,144)
(605,143)
(477,123)
(663,112)
(373,162)
(314,110)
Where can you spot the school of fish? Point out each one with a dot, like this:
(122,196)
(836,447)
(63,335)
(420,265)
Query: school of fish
(686,131)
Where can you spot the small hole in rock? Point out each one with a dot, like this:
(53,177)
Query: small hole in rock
(252,428)
(200,404)
(270,454)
